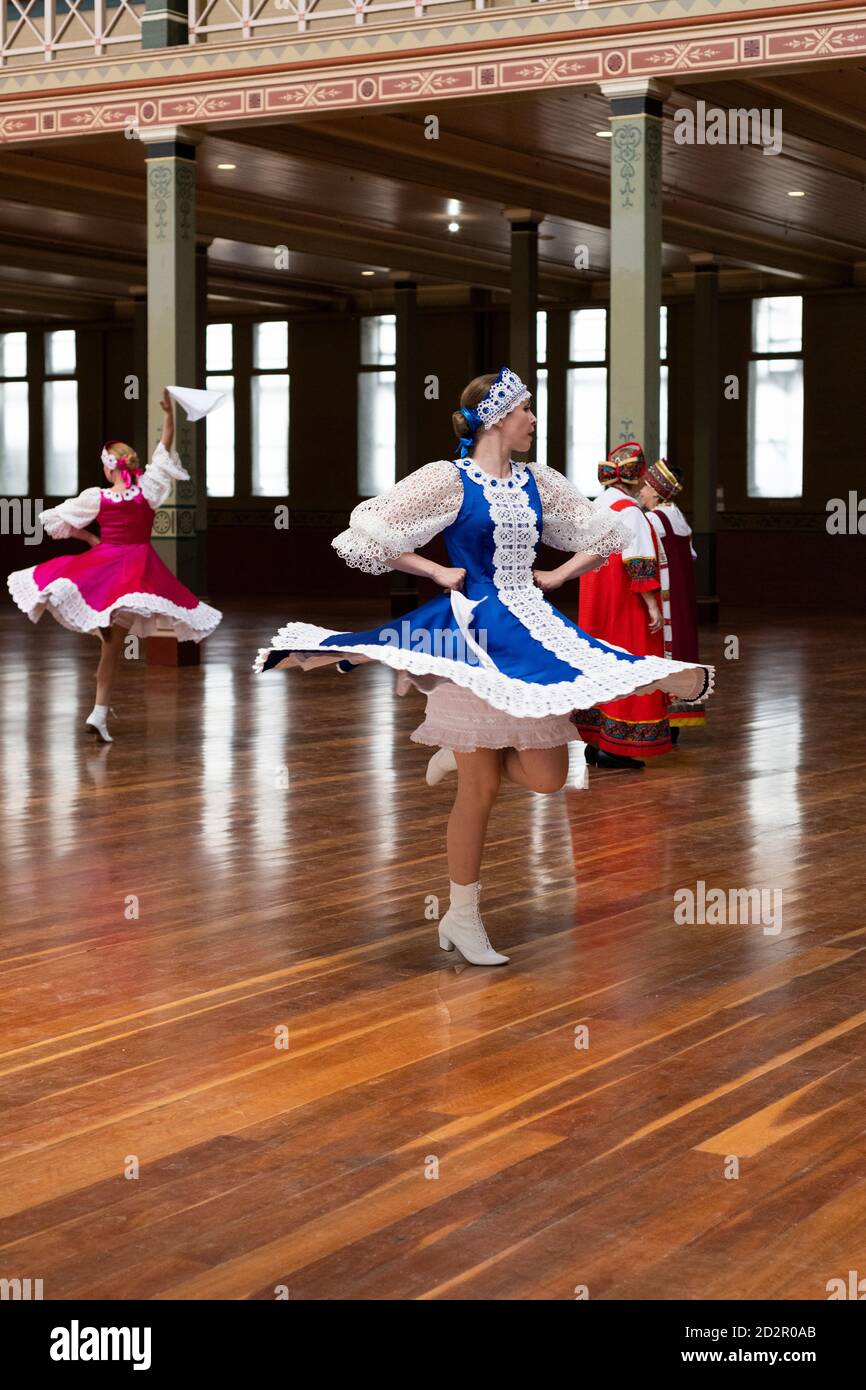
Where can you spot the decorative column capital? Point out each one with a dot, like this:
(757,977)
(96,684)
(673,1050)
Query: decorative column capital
(523,218)
(623,87)
(171,141)
(703,262)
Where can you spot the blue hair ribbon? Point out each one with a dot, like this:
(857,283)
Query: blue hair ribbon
(467,442)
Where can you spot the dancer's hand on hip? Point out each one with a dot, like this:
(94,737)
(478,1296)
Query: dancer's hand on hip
(545,580)
(448,578)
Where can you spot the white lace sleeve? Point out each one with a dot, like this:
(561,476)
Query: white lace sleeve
(156,480)
(570,521)
(406,517)
(72,514)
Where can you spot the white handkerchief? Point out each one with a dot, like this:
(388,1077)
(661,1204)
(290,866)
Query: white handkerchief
(196,403)
(463,609)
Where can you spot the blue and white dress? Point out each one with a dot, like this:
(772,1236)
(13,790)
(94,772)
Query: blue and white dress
(501,666)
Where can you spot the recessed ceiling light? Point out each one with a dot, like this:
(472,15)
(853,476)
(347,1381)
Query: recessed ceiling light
(227,166)
(604,134)
(796,193)
(454,226)
(453,207)
(368,272)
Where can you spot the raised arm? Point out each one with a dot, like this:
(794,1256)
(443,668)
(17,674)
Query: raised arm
(384,532)
(167,438)
(165,468)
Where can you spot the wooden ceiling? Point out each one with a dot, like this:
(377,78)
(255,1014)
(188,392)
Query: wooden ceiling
(354,193)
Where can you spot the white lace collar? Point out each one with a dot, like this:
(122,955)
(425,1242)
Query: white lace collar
(125,496)
(519,475)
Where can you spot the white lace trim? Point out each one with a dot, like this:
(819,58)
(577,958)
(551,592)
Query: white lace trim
(601,674)
(570,521)
(405,518)
(64,601)
(523,699)
(125,496)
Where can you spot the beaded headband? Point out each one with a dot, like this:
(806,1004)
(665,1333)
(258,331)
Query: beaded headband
(662,479)
(624,464)
(503,395)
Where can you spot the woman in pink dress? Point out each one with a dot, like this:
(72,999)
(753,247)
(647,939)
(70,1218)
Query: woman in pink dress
(119,585)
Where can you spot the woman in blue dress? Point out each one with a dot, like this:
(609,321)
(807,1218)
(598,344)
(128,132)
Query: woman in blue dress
(501,667)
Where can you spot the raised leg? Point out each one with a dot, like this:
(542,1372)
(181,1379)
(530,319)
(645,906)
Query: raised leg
(538,769)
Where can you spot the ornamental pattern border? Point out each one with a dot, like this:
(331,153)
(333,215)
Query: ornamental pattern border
(165,98)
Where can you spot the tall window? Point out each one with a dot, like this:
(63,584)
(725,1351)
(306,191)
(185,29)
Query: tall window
(540,403)
(586,398)
(377,405)
(14,417)
(60,406)
(220,437)
(776,398)
(270,409)
(663,382)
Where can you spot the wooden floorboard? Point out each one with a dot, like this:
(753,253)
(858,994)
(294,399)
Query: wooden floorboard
(432,1131)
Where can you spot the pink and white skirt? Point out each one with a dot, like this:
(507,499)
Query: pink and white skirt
(123,584)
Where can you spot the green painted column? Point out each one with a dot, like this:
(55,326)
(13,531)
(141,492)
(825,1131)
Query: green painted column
(175,306)
(164,25)
(635,260)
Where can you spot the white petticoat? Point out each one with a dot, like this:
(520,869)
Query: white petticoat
(459,720)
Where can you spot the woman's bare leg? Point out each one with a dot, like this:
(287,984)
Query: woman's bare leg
(478,776)
(109,659)
(538,769)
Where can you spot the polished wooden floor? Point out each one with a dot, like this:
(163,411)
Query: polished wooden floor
(431,1131)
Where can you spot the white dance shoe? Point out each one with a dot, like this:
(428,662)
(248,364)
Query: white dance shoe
(97,722)
(442,762)
(462,927)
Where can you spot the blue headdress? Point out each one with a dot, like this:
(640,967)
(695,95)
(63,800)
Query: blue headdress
(504,395)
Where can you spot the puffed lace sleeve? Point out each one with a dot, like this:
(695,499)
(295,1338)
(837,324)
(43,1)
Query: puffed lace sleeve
(72,514)
(570,521)
(406,517)
(156,480)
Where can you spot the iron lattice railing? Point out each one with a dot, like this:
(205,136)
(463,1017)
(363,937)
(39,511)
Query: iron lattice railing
(249,19)
(49,29)
(34,30)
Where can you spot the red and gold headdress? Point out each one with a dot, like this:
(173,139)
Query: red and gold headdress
(660,477)
(624,464)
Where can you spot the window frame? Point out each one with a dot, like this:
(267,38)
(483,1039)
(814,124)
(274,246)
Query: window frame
(368,368)
(782,355)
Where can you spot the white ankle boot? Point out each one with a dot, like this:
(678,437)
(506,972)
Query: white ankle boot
(462,927)
(97,722)
(442,762)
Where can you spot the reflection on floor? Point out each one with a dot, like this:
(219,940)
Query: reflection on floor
(234,1058)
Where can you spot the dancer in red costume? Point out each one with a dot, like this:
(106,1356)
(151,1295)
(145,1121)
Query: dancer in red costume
(621,604)
(663,482)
